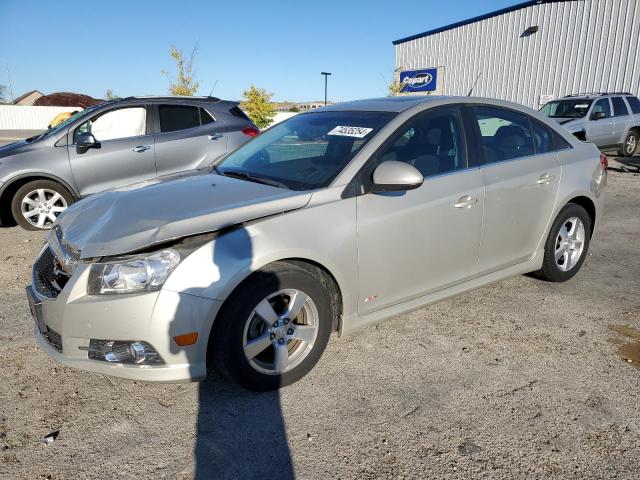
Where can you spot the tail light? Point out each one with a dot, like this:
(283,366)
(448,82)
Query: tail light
(604,161)
(251,131)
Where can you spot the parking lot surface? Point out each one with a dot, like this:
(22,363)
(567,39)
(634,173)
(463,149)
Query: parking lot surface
(520,379)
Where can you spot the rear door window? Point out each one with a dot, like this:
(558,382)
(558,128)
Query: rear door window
(634,103)
(505,134)
(181,117)
(619,107)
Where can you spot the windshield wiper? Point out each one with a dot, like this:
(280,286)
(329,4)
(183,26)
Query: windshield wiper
(250,177)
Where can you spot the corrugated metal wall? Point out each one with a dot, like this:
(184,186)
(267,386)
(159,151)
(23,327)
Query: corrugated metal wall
(582,46)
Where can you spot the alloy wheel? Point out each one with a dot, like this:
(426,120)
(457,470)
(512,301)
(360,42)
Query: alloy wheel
(281,331)
(569,244)
(41,207)
(631,145)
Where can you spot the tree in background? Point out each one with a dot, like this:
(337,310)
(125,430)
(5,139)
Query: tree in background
(109,95)
(3,94)
(257,104)
(395,88)
(185,83)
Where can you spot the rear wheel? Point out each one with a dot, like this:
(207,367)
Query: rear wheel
(630,144)
(567,244)
(274,328)
(37,204)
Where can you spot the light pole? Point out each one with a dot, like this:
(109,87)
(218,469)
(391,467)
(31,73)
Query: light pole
(326,74)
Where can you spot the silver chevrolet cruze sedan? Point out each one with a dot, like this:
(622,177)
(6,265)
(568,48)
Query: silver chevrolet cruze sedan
(329,222)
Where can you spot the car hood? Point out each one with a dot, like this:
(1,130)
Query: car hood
(11,148)
(138,216)
(563,120)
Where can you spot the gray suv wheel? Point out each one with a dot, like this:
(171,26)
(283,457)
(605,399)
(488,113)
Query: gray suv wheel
(37,204)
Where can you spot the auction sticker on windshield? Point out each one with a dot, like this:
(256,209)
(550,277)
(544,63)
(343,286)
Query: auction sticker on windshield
(357,132)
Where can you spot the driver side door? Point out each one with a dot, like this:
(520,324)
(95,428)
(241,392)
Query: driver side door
(124,155)
(418,241)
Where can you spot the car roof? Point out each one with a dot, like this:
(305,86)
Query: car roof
(383,104)
(596,95)
(172,99)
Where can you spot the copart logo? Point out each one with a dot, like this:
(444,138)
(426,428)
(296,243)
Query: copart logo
(418,80)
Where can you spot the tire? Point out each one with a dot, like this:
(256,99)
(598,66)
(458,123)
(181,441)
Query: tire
(44,212)
(630,145)
(272,291)
(562,260)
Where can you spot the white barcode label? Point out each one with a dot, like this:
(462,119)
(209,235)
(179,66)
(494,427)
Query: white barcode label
(357,132)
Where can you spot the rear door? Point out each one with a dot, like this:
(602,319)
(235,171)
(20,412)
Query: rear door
(521,174)
(622,118)
(602,131)
(188,137)
(125,153)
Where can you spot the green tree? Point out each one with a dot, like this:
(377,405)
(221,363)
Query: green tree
(184,83)
(109,95)
(3,94)
(294,109)
(257,104)
(395,88)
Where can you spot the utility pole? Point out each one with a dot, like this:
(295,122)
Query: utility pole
(326,75)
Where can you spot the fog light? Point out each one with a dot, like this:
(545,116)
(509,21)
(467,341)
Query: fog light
(114,351)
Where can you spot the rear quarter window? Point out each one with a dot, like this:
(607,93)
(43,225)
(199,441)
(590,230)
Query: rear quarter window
(634,103)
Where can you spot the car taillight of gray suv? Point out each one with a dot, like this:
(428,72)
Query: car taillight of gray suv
(113,144)
(609,120)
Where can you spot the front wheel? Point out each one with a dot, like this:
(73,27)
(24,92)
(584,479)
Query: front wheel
(567,244)
(274,327)
(630,144)
(37,204)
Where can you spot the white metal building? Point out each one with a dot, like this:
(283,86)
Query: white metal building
(529,53)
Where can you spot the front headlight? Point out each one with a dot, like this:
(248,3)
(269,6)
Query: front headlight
(143,273)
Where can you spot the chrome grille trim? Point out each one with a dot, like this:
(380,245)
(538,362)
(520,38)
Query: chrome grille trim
(48,280)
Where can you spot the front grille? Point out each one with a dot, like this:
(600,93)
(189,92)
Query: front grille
(54,339)
(48,280)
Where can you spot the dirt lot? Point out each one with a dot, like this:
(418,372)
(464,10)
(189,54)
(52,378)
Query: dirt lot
(521,379)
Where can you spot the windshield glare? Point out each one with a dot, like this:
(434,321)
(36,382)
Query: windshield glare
(575,108)
(307,151)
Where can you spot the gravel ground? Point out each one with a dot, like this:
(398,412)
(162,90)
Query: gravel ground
(521,379)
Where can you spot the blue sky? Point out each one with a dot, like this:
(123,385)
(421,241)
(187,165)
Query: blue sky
(89,47)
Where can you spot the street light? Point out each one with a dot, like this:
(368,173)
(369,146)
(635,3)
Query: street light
(326,74)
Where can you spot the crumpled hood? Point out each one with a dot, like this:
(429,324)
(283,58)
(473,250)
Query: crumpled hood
(134,217)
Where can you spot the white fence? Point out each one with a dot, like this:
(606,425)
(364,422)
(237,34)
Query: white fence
(19,117)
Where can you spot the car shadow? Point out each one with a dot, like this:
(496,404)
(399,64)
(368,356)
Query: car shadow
(240,434)
(627,165)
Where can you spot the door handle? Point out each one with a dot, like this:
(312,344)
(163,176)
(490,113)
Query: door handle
(465,202)
(545,179)
(215,136)
(142,148)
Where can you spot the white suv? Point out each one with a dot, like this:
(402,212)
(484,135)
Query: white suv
(609,120)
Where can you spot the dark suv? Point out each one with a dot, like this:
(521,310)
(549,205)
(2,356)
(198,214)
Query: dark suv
(112,144)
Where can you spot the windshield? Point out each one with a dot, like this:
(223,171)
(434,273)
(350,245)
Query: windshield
(575,108)
(66,123)
(305,152)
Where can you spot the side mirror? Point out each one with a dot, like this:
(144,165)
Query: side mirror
(86,141)
(597,115)
(392,176)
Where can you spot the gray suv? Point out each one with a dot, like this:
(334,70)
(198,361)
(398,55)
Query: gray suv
(609,120)
(113,144)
